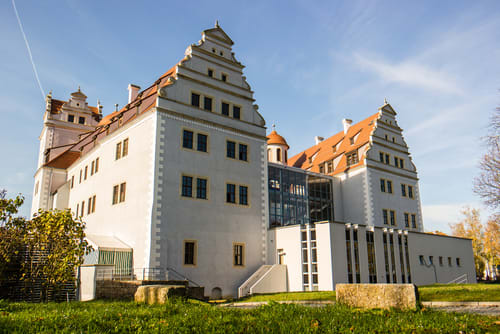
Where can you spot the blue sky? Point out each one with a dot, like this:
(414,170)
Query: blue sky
(310,63)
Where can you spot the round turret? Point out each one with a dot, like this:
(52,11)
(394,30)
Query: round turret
(277,148)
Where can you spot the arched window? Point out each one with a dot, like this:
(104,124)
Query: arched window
(269,154)
(278,154)
(286,156)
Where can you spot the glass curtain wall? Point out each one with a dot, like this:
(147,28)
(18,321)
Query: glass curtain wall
(298,198)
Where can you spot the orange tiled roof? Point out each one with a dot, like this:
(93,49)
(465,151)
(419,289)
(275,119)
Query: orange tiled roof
(144,101)
(56,106)
(275,138)
(324,151)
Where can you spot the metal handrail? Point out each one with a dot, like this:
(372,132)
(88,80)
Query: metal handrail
(141,274)
(460,279)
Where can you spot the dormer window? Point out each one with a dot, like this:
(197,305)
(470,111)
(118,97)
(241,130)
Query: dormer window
(334,148)
(71,118)
(351,140)
(81,120)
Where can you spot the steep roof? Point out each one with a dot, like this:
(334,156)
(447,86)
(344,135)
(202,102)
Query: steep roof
(57,105)
(144,101)
(312,157)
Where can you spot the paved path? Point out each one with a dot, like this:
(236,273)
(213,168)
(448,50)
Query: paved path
(484,308)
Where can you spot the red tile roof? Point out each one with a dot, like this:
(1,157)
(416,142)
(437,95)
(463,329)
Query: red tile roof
(275,138)
(323,151)
(144,101)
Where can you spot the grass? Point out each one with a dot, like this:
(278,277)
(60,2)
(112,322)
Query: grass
(187,317)
(460,292)
(317,295)
(436,292)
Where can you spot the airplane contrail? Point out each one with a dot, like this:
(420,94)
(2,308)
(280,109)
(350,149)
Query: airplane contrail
(29,50)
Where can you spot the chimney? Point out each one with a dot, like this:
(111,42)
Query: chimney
(318,139)
(133,90)
(347,124)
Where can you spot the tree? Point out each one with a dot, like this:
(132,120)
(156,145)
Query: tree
(59,240)
(492,244)
(487,184)
(470,227)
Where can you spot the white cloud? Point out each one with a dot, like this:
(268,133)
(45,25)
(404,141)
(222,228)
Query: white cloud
(411,73)
(439,216)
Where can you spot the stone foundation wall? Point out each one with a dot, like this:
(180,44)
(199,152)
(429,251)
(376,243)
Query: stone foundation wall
(125,290)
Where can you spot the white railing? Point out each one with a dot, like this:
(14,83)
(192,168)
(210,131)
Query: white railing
(142,274)
(460,280)
(244,289)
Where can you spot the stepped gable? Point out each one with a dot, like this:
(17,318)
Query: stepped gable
(144,101)
(311,158)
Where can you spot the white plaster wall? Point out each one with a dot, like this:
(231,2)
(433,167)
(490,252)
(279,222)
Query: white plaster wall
(288,239)
(337,236)
(129,221)
(325,258)
(215,224)
(436,245)
(394,201)
(275,280)
(353,199)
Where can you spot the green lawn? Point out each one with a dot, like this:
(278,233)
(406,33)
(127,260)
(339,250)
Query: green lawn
(460,292)
(317,295)
(186,317)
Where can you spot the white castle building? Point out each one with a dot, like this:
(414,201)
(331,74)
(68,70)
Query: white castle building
(184,179)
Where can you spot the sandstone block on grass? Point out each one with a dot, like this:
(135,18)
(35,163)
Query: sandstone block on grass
(158,294)
(401,296)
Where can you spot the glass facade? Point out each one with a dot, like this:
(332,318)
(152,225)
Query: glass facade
(298,198)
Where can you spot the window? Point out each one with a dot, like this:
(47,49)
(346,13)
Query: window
(431,259)
(225,109)
(382,185)
(122,191)
(207,103)
(407,220)
(223,77)
(195,100)
(410,192)
(396,160)
(93,203)
(230,193)
(352,158)
(36,187)
(329,167)
(414,220)
(202,142)
(278,154)
(81,120)
(458,262)
(89,206)
(187,139)
(421,259)
(401,163)
(238,254)
(72,183)
(322,169)
(236,112)
(386,138)
(125,148)
(119,193)
(85,173)
(96,165)
(403,190)
(393,139)
(243,152)
(71,118)
(243,195)
(389,186)
(92,166)
(190,250)
(393,217)
(449,261)
(82,208)
(118,152)
(381,156)
(441,261)
(385,216)
(187,186)
(386,258)
(210,73)
(231,149)
(78,209)
(351,140)
(201,188)
(80,180)
(372,262)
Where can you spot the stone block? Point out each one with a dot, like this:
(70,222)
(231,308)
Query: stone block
(158,294)
(401,296)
